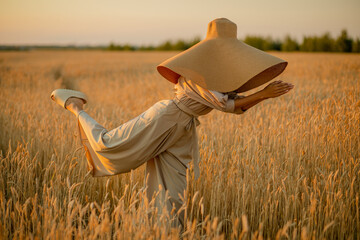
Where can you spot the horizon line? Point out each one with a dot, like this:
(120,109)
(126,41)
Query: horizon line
(79,44)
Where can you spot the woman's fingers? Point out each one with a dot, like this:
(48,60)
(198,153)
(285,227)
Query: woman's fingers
(282,84)
(282,92)
(285,85)
(280,88)
(283,89)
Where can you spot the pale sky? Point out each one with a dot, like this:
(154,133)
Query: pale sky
(154,21)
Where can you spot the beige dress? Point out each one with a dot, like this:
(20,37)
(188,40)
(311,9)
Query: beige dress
(164,137)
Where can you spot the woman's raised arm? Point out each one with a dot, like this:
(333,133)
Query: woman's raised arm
(274,89)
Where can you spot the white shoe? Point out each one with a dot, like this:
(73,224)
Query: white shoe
(60,96)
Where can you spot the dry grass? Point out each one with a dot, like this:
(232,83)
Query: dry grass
(288,168)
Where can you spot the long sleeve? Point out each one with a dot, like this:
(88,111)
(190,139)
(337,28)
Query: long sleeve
(213,99)
(94,130)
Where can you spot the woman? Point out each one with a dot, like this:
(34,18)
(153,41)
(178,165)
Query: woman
(207,76)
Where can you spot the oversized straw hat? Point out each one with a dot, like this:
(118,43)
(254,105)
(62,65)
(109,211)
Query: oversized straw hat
(223,63)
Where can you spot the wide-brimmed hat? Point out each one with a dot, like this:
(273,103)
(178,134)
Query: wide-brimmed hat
(223,63)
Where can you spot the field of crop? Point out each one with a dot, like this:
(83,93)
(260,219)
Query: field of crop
(288,168)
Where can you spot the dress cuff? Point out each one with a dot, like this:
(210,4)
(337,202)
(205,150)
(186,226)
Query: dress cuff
(78,114)
(230,105)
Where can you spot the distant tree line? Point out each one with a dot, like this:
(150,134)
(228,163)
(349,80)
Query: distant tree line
(165,46)
(322,43)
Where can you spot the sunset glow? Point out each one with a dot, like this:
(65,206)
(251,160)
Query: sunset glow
(151,22)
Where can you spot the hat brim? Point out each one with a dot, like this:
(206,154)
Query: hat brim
(224,65)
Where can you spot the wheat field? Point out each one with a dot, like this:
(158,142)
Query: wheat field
(288,168)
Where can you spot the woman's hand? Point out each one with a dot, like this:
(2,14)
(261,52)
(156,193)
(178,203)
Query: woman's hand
(276,89)
(74,105)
